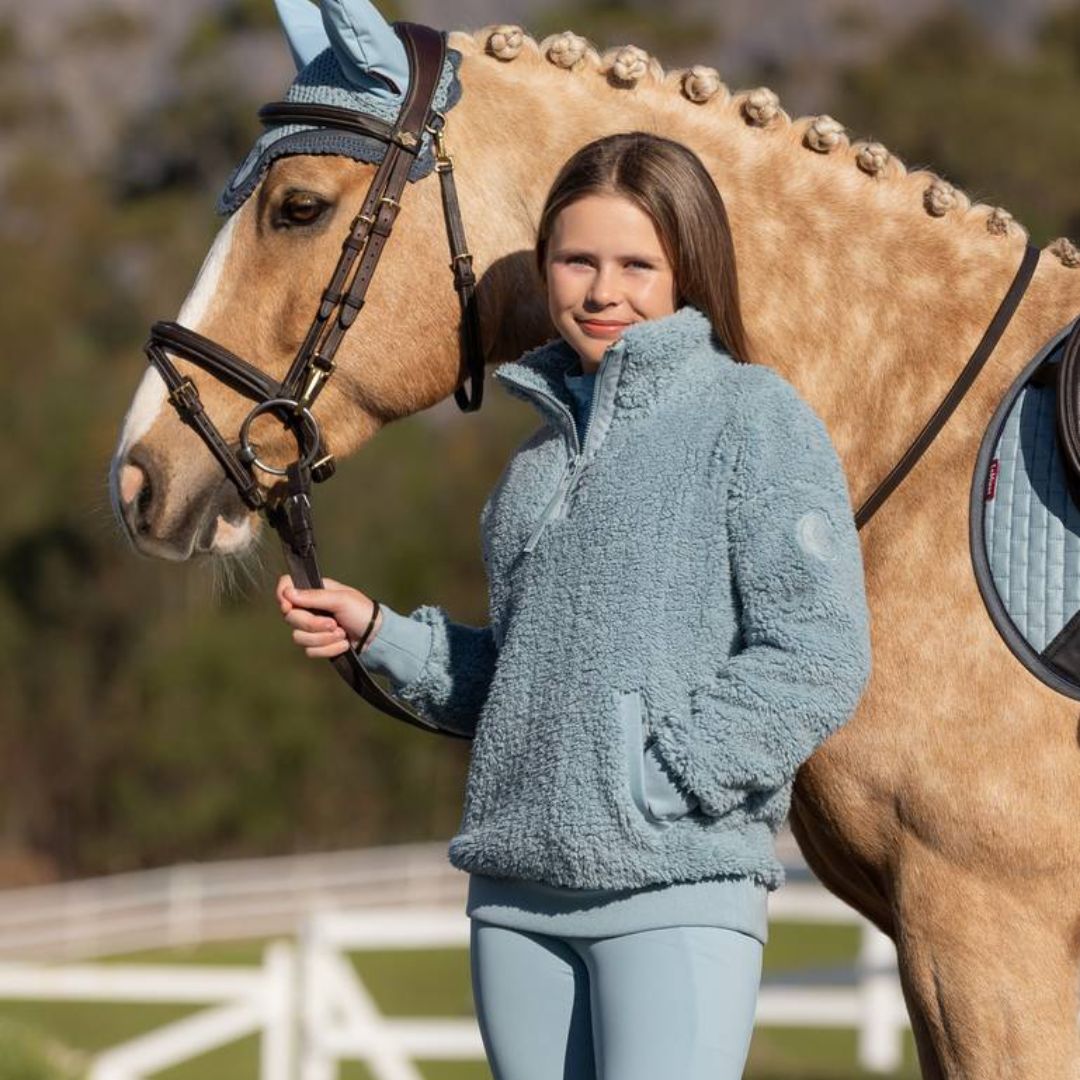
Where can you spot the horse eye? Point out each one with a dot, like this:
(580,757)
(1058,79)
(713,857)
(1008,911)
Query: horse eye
(301,208)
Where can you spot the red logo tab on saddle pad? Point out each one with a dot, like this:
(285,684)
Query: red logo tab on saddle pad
(991,481)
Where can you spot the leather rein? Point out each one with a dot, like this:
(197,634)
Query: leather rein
(287,505)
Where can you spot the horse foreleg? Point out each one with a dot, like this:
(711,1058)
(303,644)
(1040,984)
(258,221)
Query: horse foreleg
(859,885)
(989,976)
(834,864)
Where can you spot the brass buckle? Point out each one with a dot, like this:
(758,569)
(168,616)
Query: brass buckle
(369,220)
(316,377)
(443,161)
(185,397)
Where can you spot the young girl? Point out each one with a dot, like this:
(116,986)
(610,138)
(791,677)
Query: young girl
(677,621)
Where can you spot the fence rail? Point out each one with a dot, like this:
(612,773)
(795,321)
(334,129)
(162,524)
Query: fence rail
(312,1011)
(188,904)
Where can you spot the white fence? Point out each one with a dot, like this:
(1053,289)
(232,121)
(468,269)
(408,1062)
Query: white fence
(190,904)
(340,1020)
(313,1011)
(244,1000)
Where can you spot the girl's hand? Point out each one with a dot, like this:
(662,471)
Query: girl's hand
(329,621)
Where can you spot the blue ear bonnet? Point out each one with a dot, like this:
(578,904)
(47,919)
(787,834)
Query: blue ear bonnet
(322,82)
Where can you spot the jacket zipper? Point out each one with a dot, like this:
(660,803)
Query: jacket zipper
(553,502)
(564,479)
(572,469)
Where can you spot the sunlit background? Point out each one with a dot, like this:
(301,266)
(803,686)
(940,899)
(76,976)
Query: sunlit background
(158,716)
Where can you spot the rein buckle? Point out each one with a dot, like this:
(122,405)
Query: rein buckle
(185,398)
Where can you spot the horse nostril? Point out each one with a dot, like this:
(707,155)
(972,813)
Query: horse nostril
(131,482)
(142,506)
(136,495)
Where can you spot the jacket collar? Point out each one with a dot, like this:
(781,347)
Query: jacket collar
(649,359)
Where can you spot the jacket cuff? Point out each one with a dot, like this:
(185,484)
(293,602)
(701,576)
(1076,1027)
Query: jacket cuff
(400,649)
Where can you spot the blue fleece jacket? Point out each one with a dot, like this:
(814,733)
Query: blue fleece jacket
(714,603)
(737,903)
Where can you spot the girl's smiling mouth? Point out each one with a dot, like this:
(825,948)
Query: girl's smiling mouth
(601,327)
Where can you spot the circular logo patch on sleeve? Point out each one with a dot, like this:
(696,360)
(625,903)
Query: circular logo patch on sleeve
(814,533)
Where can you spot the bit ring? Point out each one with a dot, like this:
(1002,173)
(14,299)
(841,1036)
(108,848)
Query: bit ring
(307,436)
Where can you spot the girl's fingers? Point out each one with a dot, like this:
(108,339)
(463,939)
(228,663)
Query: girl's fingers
(328,650)
(319,640)
(284,582)
(324,599)
(299,619)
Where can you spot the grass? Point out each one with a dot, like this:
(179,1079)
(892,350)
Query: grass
(436,982)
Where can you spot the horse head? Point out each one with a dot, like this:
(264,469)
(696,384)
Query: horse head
(290,205)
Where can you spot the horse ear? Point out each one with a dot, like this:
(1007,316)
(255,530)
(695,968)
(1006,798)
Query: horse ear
(303,28)
(370,54)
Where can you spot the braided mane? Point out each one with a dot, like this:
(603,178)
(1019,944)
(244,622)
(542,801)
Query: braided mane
(700,87)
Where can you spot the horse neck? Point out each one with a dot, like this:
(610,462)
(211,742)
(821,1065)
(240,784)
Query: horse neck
(869,303)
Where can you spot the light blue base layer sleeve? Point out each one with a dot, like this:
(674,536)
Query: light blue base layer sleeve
(400,647)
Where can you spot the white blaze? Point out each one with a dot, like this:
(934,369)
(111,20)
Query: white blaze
(151,394)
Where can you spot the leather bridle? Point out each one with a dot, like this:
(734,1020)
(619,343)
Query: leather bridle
(288,505)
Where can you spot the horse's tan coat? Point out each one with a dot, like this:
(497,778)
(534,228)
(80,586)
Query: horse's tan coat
(946,810)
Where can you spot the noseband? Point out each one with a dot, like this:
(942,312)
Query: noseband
(288,505)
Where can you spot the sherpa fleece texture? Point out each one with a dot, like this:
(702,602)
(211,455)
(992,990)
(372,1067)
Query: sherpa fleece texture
(705,556)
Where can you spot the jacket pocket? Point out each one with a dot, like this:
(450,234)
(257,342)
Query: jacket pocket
(652,790)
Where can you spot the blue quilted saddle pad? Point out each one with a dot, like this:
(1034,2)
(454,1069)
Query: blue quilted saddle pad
(1026,526)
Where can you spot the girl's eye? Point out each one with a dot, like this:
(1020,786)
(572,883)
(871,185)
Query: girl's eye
(577,259)
(639,262)
(301,208)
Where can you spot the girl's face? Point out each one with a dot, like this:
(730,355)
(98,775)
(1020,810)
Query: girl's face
(605,269)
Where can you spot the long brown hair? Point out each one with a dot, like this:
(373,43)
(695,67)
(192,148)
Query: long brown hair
(669,182)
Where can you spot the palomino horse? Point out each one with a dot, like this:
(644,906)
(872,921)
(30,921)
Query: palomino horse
(945,811)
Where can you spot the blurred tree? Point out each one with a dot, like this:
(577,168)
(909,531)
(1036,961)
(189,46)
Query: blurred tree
(107,27)
(190,142)
(220,24)
(660,30)
(941,97)
(1059,35)
(9,41)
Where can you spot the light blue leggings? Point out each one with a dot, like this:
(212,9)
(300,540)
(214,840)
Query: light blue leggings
(673,1002)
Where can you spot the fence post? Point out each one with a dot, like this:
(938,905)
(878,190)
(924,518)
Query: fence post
(880,1047)
(184,912)
(314,1063)
(277,1055)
